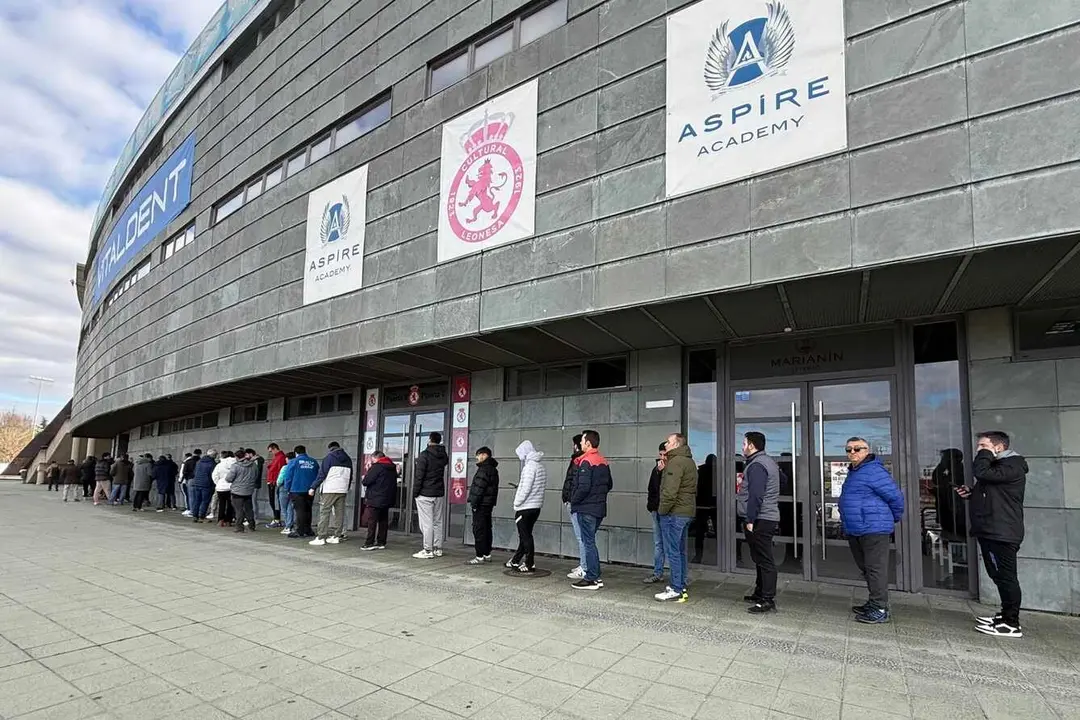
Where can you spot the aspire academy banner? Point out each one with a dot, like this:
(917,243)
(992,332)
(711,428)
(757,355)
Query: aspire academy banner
(336,222)
(488,175)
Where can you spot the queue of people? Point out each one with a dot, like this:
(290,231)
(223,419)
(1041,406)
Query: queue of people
(223,485)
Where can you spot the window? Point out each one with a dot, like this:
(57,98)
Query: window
(363,123)
(177,243)
(567,379)
(195,422)
(542,21)
(449,72)
(1048,333)
(320,149)
(296,163)
(609,373)
(474,55)
(249,414)
(148,431)
(273,177)
(254,190)
(494,47)
(141,270)
(228,206)
(330,404)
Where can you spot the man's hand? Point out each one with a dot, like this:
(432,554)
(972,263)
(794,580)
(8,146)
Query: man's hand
(311,493)
(963,491)
(984,444)
(749,527)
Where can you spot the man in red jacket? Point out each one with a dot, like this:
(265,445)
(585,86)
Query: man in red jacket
(273,469)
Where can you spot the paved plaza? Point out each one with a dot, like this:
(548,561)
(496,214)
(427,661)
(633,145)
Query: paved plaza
(109,614)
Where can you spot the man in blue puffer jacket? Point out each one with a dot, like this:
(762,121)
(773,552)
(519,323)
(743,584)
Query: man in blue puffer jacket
(870,506)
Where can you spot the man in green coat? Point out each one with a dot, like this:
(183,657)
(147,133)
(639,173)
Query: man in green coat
(678,503)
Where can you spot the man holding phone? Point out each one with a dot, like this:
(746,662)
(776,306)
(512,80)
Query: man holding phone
(997,521)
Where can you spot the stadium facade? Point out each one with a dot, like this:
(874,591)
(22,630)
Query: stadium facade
(364,221)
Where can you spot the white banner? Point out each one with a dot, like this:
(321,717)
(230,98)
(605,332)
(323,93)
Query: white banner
(488,175)
(752,86)
(336,223)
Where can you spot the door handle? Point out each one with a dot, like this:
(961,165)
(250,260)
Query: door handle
(821,469)
(794,484)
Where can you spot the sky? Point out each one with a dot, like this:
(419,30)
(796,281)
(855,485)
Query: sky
(75,77)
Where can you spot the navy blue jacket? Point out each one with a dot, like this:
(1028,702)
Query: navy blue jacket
(203,470)
(381,483)
(591,485)
(163,475)
(870,502)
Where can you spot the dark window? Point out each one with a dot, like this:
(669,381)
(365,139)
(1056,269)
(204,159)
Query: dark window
(562,380)
(209,420)
(1054,332)
(344,402)
(147,431)
(702,366)
(609,373)
(261,412)
(307,407)
(524,382)
(326,404)
(936,342)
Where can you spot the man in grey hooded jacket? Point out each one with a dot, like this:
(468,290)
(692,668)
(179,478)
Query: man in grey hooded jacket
(528,499)
(244,477)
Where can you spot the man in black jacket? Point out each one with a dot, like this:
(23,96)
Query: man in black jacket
(483,495)
(380,494)
(996,503)
(652,504)
(429,490)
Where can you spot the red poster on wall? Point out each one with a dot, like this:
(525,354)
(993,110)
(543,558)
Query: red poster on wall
(457,491)
(462,389)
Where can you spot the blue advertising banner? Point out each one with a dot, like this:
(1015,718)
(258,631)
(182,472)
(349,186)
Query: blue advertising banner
(159,201)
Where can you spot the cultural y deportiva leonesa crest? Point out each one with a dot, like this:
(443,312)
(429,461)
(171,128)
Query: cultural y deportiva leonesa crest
(489,175)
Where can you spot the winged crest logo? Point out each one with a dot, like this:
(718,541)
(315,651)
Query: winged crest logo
(335,222)
(757,48)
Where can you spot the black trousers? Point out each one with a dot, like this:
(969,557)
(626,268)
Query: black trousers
(525,520)
(88,487)
(244,509)
(271,491)
(481,529)
(141,497)
(225,512)
(378,522)
(302,509)
(761,551)
(1000,561)
(871,553)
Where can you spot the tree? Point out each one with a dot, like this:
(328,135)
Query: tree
(15,431)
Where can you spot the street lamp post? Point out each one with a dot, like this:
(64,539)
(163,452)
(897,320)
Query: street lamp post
(37,402)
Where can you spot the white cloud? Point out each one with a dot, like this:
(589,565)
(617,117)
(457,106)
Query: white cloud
(76,77)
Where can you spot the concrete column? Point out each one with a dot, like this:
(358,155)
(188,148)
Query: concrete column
(78,449)
(96,446)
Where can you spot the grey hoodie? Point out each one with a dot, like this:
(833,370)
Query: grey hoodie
(144,475)
(244,476)
(533,482)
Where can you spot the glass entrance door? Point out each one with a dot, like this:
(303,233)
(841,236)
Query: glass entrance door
(405,435)
(806,426)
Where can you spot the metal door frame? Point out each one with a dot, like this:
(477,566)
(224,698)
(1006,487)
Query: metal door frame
(408,462)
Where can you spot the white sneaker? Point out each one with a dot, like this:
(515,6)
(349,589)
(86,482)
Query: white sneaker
(668,595)
(487,558)
(333,540)
(577,573)
(209,517)
(286,531)
(317,541)
(186,513)
(438,552)
(424,555)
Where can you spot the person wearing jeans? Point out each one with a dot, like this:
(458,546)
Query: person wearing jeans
(429,489)
(380,494)
(528,500)
(303,470)
(483,496)
(677,507)
(277,463)
(588,498)
(870,506)
(121,476)
(571,469)
(758,501)
(284,502)
(652,504)
(996,503)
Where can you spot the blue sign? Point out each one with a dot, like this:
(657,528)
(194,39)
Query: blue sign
(160,200)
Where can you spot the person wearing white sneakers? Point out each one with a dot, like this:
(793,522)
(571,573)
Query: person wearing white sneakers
(579,572)
(528,500)
(429,491)
(335,478)
(678,490)
(483,496)
(381,481)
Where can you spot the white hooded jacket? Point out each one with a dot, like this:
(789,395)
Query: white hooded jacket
(221,472)
(533,482)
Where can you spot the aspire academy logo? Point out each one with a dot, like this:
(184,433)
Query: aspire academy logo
(487,186)
(757,48)
(335,222)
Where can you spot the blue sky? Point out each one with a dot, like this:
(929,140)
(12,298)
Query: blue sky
(75,77)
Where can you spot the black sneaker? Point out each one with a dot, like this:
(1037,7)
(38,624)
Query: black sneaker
(653,579)
(752,598)
(860,609)
(368,547)
(761,607)
(587,585)
(295,535)
(1001,629)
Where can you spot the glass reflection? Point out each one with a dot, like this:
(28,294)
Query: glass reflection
(701,434)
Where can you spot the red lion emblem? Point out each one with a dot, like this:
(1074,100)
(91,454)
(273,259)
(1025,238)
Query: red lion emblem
(482,189)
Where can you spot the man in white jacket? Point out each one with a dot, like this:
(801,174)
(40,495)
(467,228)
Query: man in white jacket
(528,499)
(223,488)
